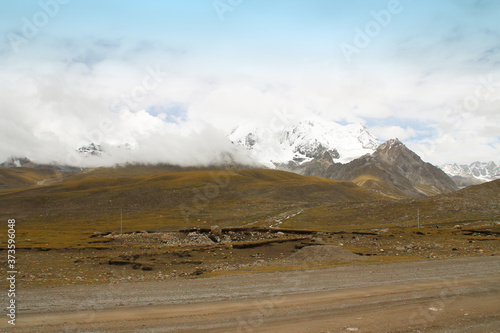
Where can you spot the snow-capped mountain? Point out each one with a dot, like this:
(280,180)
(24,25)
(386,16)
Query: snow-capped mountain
(481,171)
(97,150)
(16,162)
(392,170)
(303,141)
(90,150)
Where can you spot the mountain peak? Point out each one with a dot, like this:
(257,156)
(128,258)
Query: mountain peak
(391,143)
(395,151)
(91,149)
(16,162)
(303,140)
(392,169)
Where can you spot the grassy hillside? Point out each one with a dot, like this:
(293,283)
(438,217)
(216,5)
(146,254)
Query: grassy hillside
(68,213)
(472,204)
(26,177)
(377,185)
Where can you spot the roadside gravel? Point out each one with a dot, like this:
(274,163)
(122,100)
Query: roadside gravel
(244,286)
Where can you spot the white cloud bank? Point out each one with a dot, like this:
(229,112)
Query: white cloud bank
(388,132)
(174,110)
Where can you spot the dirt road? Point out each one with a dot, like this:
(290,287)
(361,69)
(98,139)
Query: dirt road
(454,295)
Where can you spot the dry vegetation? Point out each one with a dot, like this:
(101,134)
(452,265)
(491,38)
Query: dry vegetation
(66,214)
(68,232)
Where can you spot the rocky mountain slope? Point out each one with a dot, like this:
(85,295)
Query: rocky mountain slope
(392,169)
(330,150)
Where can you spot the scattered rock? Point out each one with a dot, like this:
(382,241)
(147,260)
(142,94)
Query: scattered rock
(194,262)
(118,262)
(216,230)
(323,253)
(199,239)
(198,271)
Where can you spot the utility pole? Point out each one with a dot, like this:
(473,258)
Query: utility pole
(418,217)
(121,220)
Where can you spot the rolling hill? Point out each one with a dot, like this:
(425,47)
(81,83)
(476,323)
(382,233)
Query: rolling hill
(149,198)
(478,203)
(18,177)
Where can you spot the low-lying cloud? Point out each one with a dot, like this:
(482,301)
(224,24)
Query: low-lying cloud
(170,108)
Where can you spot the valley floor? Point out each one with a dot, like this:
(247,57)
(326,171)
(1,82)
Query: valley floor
(442,295)
(156,256)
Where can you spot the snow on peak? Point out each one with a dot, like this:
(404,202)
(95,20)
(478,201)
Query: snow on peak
(484,171)
(303,140)
(15,162)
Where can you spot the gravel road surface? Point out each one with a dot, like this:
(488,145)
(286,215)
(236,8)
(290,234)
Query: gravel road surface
(452,295)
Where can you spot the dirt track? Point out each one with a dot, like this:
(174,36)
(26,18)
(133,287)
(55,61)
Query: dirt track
(455,295)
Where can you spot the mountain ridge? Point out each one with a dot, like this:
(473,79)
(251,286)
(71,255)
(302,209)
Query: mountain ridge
(325,149)
(392,169)
(473,173)
(303,140)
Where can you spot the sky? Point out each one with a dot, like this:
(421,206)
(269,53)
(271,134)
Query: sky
(174,77)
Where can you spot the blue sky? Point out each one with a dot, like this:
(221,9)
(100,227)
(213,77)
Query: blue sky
(425,71)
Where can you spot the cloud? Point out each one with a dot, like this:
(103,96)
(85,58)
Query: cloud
(464,149)
(176,145)
(390,132)
(61,94)
(49,111)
